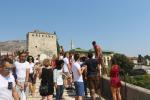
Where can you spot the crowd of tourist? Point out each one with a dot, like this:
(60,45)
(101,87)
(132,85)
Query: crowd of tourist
(69,71)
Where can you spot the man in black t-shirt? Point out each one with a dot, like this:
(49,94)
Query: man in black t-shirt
(93,75)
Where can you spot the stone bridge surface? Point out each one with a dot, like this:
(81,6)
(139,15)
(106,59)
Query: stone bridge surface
(68,94)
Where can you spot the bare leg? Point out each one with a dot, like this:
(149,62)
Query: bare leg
(50,97)
(65,82)
(33,89)
(15,95)
(113,91)
(44,98)
(118,94)
(93,94)
(79,97)
(99,94)
(30,87)
(76,98)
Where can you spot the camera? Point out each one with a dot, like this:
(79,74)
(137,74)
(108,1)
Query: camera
(10,85)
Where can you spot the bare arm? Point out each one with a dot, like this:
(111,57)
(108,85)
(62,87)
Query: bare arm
(69,67)
(27,74)
(40,72)
(15,94)
(81,70)
(64,75)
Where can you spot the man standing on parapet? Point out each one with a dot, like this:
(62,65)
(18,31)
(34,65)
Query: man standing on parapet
(98,50)
(99,55)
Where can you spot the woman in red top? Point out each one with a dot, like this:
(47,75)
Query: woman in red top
(115,82)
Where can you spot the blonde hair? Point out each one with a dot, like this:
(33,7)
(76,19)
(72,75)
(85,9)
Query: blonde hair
(46,62)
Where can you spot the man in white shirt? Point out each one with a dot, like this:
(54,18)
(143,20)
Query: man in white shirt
(78,79)
(66,70)
(22,72)
(7,81)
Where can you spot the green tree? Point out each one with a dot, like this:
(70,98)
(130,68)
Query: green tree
(57,43)
(123,62)
(147,57)
(58,47)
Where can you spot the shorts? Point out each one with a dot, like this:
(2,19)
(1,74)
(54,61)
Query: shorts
(18,88)
(79,88)
(94,83)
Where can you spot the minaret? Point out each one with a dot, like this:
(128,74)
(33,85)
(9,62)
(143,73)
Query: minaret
(72,46)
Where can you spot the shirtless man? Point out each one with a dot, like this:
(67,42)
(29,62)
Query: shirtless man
(99,54)
(98,50)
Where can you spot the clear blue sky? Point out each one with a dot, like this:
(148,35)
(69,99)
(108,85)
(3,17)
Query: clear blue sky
(117,25)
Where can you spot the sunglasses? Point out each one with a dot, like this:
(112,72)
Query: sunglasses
(8,69)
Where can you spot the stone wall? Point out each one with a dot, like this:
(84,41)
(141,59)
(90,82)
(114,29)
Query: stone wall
(128,91)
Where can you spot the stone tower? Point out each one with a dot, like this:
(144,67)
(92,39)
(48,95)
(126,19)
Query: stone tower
(41,43)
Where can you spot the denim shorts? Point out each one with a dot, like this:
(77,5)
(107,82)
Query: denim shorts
(79,88)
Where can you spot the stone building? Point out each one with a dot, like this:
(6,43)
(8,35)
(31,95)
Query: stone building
(41,43)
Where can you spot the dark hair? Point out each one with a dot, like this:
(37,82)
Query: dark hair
(94,42)
(76,56)
(90,55)
(21,52)
(4,60)
(83,59)
(61,53)
(65,54)
(30,58)
(59,63)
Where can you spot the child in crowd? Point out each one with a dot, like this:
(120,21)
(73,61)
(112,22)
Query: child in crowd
(58,79)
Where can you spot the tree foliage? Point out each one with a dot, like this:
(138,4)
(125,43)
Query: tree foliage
(58,47)
(123,62)
(140,80)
